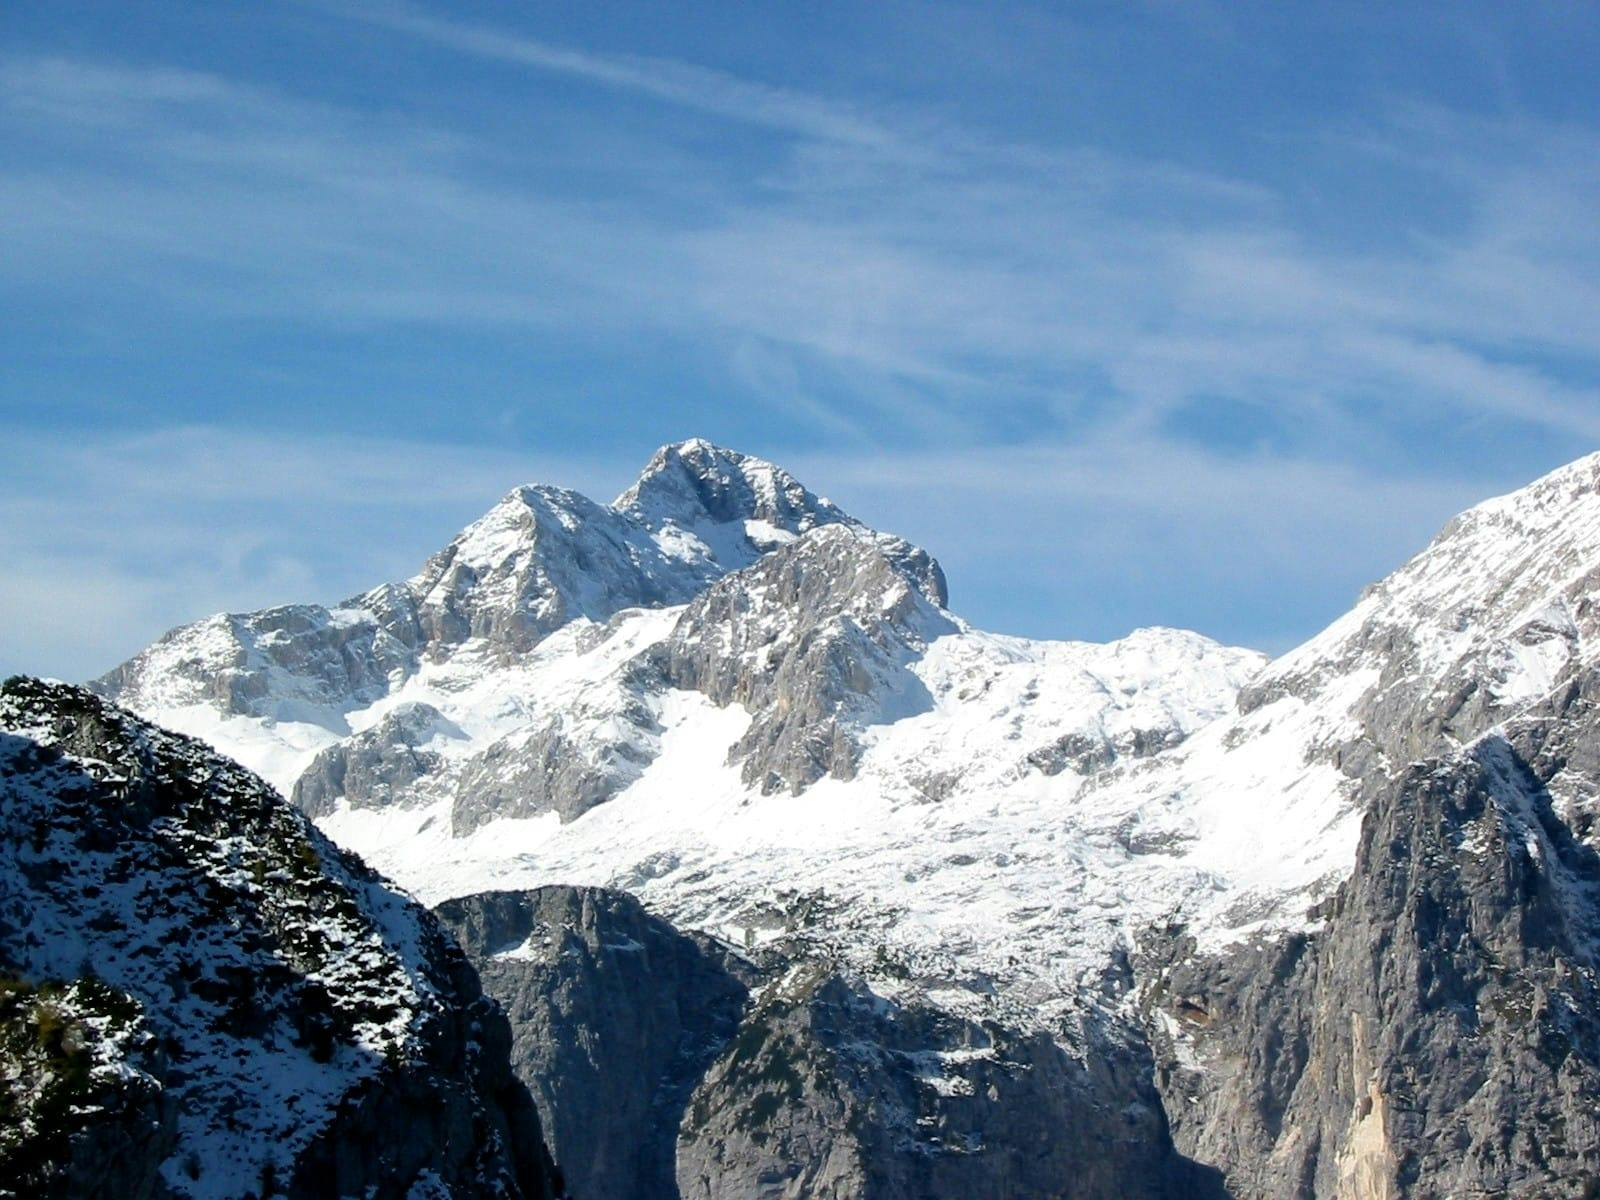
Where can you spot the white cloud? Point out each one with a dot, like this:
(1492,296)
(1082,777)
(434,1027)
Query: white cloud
(714,92)
(942,285)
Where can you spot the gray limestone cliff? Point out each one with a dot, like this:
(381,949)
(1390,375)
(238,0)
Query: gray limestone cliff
(377,767)
(830,1090)
(812,640)
(616,1016)
(567,763)
(666,1066)
(1438,1035)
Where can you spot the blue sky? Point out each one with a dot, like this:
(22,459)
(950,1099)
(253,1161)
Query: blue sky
(1193,314)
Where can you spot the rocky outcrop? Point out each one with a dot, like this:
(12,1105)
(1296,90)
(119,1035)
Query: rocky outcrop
(540,558)
(616,1016)
(666,1066)
(376,767)
(830,1090)
(813,640)
(571,761)
(736,506)
(299,662)
(1466,635)
(1085,753)
(1434,1034)
(201,996)
(1437,1036)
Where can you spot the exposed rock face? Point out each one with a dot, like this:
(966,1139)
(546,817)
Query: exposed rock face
(1438,1037)
(831,1091)
(661,1075)
(1085,754)
(376,767)
(812,640)
(294,662)
(616,1015)
(566,764)
(542,557)
(736,506)
(202,996)
(1483,622)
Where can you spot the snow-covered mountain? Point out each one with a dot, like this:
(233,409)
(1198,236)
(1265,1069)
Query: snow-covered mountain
(728,698)
(726,695)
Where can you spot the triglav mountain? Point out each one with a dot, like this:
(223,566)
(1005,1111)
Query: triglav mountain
(792,883)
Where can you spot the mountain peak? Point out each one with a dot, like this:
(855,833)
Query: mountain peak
(694,483)
(539,559)
(1495,611)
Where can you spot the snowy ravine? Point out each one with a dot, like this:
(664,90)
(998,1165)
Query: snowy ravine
(727,697)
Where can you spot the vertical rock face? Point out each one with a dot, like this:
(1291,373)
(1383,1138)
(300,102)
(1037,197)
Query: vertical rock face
(616,1017)
(829,1090)
(201,996)
(666,1067)
(1434,1033)
(1438,1036)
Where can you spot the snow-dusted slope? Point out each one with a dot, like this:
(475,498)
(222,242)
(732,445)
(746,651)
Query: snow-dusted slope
(726,696)
(201,997)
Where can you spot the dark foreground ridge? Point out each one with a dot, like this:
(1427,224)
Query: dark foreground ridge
(201,996)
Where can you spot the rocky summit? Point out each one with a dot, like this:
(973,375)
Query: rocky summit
(793,883)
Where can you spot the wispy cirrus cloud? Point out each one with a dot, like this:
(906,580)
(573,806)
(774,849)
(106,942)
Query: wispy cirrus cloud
(1003,250)
(940,289)
(715,93)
